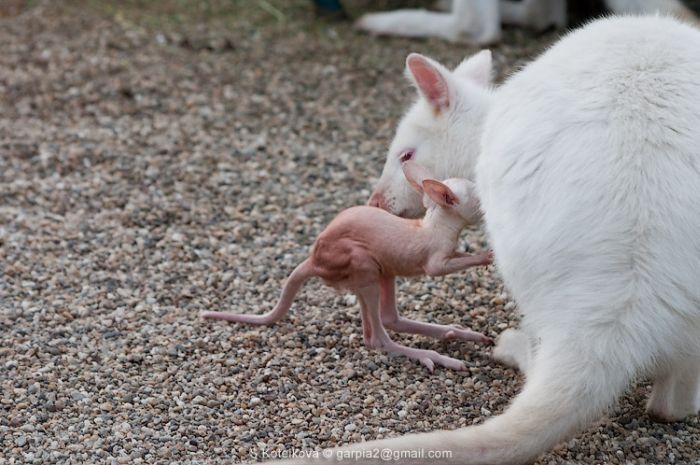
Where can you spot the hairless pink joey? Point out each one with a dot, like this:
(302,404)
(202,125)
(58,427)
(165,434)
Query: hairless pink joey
(363,250)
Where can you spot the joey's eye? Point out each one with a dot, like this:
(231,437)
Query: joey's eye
(406,155)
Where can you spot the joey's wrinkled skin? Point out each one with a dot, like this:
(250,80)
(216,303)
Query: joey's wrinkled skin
(364,248)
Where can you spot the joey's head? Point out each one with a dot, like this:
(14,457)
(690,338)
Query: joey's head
(441,131)
(455,196)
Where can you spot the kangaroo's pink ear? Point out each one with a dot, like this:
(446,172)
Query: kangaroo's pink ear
(430,80)
(440,193)
(415,174)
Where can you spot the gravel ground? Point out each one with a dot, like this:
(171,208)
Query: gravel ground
(152,167)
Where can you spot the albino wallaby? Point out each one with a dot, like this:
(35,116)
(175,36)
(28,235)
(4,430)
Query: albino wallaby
(479,21)
(589,178)
(450,103)
(363,250)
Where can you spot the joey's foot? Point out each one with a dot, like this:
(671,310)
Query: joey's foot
(432,358)
(367,335)
(373,342)
(466,334)
(429,358)
(404,325)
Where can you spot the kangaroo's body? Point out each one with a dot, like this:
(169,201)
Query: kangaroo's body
(589,178)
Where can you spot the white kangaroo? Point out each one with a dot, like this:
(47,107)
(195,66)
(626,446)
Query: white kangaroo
(479,21)
(589,178)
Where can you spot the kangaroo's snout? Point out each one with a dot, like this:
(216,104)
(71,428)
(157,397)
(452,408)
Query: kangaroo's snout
(377,200)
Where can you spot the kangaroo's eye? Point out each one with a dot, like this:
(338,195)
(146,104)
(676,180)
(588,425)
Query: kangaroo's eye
(406,155)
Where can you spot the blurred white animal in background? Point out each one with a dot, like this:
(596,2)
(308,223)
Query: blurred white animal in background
(479,21)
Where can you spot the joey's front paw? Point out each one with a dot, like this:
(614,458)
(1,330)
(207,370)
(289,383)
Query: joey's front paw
(484,258)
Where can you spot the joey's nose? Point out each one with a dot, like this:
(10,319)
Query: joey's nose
(377,200)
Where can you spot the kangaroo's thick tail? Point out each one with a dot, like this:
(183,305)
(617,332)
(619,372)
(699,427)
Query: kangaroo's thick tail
(300,274)
(562,395)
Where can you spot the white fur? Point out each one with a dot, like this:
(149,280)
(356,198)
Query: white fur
(638,7)
(589,176)
(534,14)
(454,133)
(590,184)
(514,349)
(479,21)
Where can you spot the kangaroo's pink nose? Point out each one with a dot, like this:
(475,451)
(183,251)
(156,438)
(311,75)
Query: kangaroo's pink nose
(377,200)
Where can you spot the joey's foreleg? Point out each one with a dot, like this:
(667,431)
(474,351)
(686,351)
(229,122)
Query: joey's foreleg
(440,266)
(392,320)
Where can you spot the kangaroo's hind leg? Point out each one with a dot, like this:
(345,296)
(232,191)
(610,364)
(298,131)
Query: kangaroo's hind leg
(676,391)
(513,348)
(563,393)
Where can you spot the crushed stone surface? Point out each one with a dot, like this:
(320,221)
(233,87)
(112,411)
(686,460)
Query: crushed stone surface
(148,173)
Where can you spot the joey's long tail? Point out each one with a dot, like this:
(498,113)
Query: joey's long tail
(300,274)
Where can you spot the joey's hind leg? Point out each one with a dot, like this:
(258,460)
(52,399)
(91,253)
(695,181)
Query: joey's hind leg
(369,300)
(366,323)
(676,391)
(392,320)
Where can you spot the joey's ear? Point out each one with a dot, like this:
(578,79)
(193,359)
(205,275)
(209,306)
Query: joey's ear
(440,193)
(430,79)
(477,68)
(415,174)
